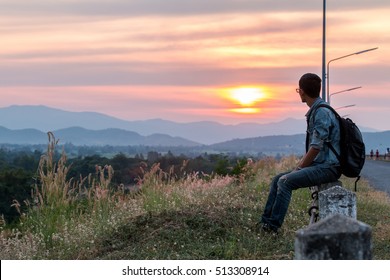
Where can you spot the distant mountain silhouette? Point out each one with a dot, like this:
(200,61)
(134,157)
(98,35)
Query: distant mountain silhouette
(269,145)
(22,136)
(49,119)
(293,144)
(282,144)
(81,136)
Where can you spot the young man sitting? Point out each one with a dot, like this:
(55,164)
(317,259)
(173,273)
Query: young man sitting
(318,166)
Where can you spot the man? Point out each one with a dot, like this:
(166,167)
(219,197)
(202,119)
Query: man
(319,165)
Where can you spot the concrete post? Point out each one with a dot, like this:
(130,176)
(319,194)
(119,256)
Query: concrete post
(314,208)
(337,200)
(337,237)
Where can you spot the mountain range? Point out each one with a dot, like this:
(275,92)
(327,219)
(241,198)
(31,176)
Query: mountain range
(293,144)
(30,124)
(46,119)
(80,136)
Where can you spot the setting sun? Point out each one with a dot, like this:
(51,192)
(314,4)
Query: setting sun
(247,96)
(245,99)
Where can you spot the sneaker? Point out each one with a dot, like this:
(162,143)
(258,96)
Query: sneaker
(269,229)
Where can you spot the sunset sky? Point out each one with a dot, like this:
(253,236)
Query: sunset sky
(230,61)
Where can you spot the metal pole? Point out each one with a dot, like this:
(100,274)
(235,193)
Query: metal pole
(324,51)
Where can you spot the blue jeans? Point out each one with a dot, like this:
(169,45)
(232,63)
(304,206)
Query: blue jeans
(283,184)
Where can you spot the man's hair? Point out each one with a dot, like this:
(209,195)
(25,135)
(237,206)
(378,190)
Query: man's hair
(311,84)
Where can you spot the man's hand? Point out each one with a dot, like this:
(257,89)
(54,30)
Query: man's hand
(308,158)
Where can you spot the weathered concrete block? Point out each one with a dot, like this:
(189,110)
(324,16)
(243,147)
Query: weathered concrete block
(337,237)
(314,209)
(337,200)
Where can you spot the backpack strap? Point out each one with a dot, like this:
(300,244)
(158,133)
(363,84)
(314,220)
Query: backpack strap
(328,143)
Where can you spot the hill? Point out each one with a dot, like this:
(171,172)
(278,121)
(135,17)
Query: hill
(84,137)
(269,145)
(27,124)
(22,136)
(293,144)
(205,132)
(49,119)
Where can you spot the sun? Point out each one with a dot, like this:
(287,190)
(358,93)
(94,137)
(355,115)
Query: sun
(246,96)
(244,99)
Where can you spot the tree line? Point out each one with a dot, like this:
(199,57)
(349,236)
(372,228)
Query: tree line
(18,170)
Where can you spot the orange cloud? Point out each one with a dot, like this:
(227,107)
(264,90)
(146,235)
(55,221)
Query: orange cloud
(172,64)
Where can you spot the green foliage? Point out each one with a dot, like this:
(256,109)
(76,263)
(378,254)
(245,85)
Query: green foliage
(19,167)
(17,173)
(15,184)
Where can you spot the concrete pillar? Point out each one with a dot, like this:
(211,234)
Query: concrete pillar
(337,237)
(314,208)
(337,200)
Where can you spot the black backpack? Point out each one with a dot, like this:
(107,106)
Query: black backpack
(352,148)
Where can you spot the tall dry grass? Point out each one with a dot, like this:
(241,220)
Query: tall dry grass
(65,215)
(195,216)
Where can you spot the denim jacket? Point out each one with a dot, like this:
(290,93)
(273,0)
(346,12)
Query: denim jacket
(325,128)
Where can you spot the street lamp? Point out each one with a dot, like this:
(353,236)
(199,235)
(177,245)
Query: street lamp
(347,106)
(344,56)
(350,89)
(342,107)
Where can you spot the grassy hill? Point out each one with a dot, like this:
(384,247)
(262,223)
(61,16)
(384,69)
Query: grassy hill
(198,216)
